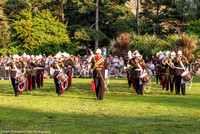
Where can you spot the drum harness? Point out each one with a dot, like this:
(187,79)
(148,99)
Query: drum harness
(17,74)
(145,85)
(182,80)
(60,71)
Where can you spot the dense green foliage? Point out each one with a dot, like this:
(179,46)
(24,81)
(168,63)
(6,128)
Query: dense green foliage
(39,34)
(145,44)
(121,111)
(194,27)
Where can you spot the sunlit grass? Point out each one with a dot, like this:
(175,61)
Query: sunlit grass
(121,111)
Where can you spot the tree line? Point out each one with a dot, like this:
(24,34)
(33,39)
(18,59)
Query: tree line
(47,26)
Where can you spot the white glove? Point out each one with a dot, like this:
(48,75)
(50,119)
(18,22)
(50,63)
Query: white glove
(106,73)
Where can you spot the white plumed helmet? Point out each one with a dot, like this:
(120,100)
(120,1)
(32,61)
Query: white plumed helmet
(16,56)
(98,51)
(137,54)
(179,52)
(173,53)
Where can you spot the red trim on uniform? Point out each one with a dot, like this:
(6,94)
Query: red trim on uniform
(27,83)
(134,83)
(100,63)
(93,86)
(35,80)
(31,83)
(21,88)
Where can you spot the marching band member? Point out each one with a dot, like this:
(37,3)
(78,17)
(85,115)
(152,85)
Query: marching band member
(156,63)
(38,71)
(167,71)
(180,64)
(131,61)
(33,72)
(172,73)
(68,63)
(42,61)
(138,68)
(127,64)
(99,66)
(15,64)
(57,65)
(162,70)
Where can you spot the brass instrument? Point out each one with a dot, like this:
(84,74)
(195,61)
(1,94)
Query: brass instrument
(170,63)
(166,56)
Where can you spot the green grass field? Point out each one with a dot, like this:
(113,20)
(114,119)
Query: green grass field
(121,111)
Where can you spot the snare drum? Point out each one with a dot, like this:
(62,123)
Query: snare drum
(186,76)
(62,77)
(20,78)
(145,78)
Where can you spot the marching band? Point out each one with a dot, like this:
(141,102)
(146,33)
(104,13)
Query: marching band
(169,70)
(27,72)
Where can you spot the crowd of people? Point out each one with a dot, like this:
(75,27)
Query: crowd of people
(82,69)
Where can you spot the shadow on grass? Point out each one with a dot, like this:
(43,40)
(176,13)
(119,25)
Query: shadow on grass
(25,119)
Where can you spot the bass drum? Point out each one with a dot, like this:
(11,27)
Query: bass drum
(187,77)
(145,78)
(20,78)
(62,77)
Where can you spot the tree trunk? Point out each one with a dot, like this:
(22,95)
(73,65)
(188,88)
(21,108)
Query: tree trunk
(62,13)
(97,23)
(137,15)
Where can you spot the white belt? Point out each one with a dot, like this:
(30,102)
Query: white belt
(178,68)
(13,69)
(38,68)
(56,70)
(137,69)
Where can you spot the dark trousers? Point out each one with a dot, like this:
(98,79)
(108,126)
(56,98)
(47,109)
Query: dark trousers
(30,82)
(139,88)
(2,72)
(34,82)
(99,86)
(157,77)
(15,86)
(41,80)
(58,86)
(171,81)
(162,79)
(167,82)
(178,85)
(38,80)
(26,83)
(129,78)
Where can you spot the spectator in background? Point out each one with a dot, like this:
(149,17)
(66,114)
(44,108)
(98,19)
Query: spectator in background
(108,62)
(121,65)
(152,67)
(146,59)
(116,62)
(111,71)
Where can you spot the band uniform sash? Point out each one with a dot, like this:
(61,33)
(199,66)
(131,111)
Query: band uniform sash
(99,61)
